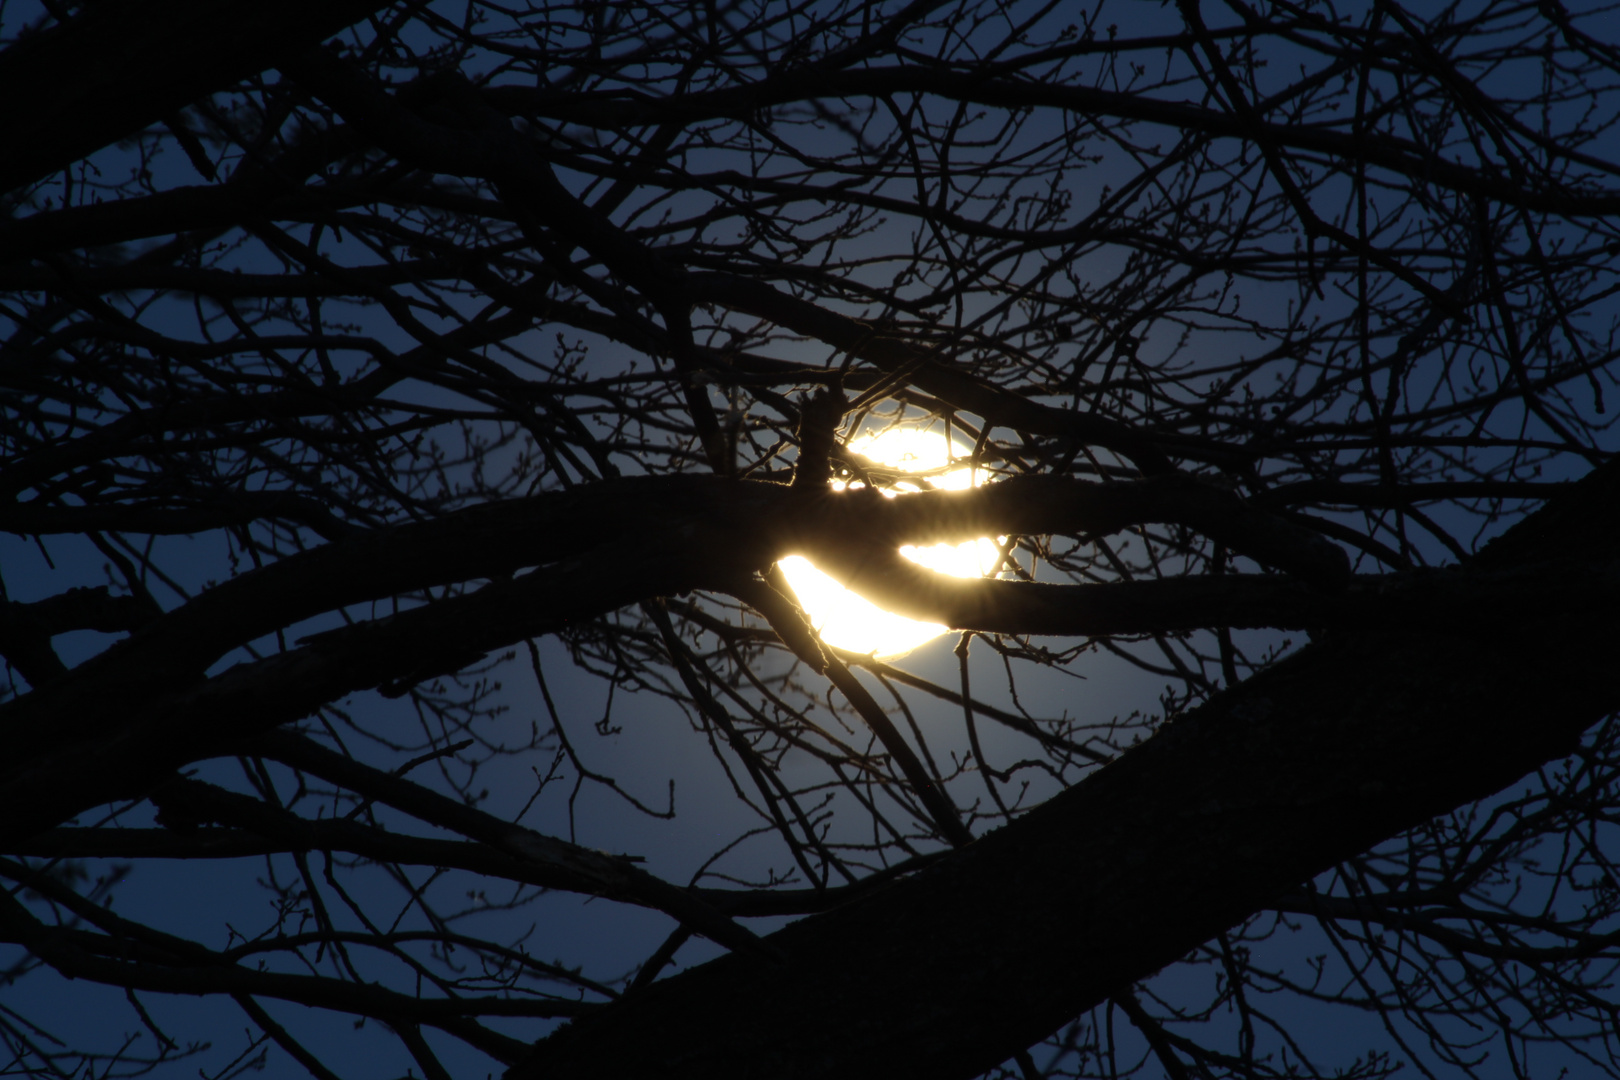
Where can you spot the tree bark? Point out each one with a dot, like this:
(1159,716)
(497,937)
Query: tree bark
(951,971)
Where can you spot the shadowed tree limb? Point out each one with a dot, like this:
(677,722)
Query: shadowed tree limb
(951,971)
(123,64)
(131,716)
(676,532)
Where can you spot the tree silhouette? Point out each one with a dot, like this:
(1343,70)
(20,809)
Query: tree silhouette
(383,412)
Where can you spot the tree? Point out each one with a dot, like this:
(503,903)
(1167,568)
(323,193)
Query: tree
(380,414)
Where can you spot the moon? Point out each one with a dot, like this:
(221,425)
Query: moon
(846,619)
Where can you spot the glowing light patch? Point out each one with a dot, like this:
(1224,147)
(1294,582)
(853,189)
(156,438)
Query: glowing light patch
(850,621)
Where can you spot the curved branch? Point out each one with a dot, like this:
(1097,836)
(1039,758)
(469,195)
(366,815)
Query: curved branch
(124,64)
(1309,763)
(1402,157)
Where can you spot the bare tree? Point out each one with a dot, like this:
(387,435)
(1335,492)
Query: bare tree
(402,436)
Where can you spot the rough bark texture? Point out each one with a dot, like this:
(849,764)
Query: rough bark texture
(949,972)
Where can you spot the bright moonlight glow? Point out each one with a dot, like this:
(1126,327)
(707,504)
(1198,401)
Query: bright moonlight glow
(850,621)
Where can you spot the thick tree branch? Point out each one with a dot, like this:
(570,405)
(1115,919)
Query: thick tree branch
(124,64)
(953,970)
(81,742)
(674,532)
(26,629)
(1438,599)
(129,717)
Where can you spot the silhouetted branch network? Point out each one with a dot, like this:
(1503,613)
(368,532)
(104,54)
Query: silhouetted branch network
(405,410)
